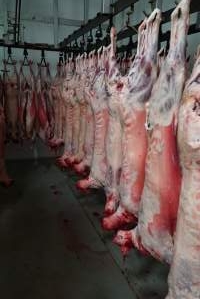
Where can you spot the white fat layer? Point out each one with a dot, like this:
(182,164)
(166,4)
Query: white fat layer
(166,95)
(184,278)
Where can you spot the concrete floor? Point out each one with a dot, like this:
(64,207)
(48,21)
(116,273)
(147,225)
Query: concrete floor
(52,244)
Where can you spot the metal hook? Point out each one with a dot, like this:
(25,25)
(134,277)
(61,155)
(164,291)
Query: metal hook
(99,34)
(145,14)
(9,59)
(60,62)
(159,4)
(43,61)
(9,51)
(127,24)
(82,42)
(153,4)
(25,52)
(65,57)
(75,44)
(90,37)
(128,18)
(133,28)
(25,61)
(130,12)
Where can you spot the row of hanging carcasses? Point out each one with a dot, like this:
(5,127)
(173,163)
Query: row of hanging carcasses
(122,130)
(32,102)
(28,100)
(5,180)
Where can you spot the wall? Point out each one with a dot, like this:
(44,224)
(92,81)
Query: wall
(40,32)
(71,9)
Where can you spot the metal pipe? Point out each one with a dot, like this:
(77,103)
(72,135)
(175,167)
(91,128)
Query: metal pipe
(18,22)
(102,6)
(55,22)
(29,46)
(15,25)
(5,16)
(86,10)
(111,10)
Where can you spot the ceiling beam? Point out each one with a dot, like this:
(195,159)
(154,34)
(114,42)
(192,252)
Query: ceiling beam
(193,29)
(31,46)
(100,18)
(50,20)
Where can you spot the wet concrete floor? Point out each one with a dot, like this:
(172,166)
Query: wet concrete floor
(52,244)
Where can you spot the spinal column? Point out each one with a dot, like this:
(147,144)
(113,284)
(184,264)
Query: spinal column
(114,133)
(98,99)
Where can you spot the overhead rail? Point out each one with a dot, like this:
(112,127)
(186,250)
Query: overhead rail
(100,18)
(163,37)
(121,5)
(67,47)
(130,32)
(91,24)
(127,33)
(30,46)
(166,15)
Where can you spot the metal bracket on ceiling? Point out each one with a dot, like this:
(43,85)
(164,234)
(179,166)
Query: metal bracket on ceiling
(153,4)
(9,59)
(43,60)
(25,61)
(60,61)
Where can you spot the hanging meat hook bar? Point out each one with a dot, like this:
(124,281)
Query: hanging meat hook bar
(194,7)
(25,61)
(100,18)
(128,32)
(30,46)
(67,47)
